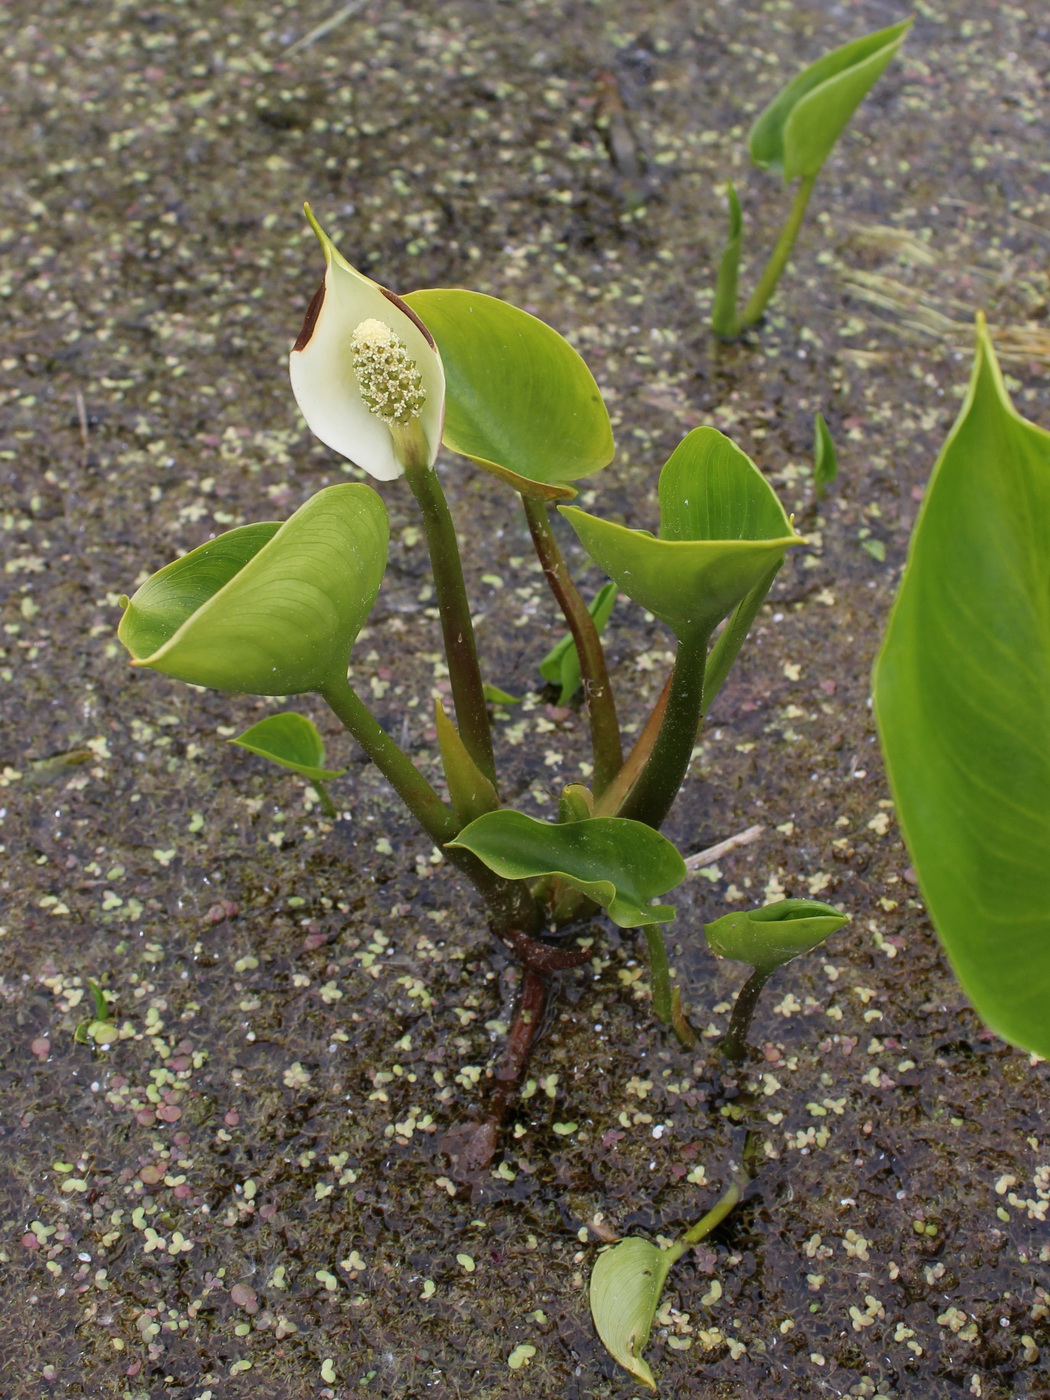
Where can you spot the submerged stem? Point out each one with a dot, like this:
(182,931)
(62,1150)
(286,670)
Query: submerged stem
(767,283)
(597,688)
(327,805)
(457,629)
(725,1203)
(659,974)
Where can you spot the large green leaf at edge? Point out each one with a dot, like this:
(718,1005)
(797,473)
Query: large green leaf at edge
(721,530)
(626,1284)
(266,609)
(795,134)
(519,400)
(962,699)
(620,864)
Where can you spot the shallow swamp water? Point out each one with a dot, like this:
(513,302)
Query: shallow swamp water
(243,1194)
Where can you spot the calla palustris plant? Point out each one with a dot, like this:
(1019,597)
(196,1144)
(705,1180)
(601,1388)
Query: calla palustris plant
(628,1279)
(960,689)
(793,137)
(561,665)
(273,609)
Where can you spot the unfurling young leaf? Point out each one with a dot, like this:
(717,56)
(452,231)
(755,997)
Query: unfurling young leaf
(767,937)
(723,314)
(619,864)
(470,792)
(521,403)
(266,609)
(626,1284)
(561,665)
(825,458)
(961,687)
(795,134)
(292,740)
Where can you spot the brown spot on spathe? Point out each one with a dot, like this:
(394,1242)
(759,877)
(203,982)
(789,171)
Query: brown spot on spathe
(310,320)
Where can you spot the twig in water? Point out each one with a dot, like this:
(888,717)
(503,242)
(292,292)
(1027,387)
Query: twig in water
(742,838)
(326,27)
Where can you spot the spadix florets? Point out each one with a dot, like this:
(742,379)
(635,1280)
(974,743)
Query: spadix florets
(390,382)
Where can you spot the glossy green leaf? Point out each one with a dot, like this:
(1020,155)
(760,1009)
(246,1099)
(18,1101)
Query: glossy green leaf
(561,665)
(722,530)
(795,134)
(268,609)
(825,458)
(291,740)
(961,697)
(519,399)
(767,937)
(619,864)
(626,1284)
(723,313)
(470,791)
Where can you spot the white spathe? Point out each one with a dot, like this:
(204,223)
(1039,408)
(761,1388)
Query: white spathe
(325,382)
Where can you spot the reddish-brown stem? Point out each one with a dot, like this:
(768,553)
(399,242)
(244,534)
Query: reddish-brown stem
(528,1017)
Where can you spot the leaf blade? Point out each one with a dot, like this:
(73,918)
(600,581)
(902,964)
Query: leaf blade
(520,401)
(794,135)
(625,1289)
(722,530)
(280,612)
(620,864)
(960,689)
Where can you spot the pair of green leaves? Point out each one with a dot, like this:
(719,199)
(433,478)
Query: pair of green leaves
(793,137)
(627,1280)
(798,130)
(961,691)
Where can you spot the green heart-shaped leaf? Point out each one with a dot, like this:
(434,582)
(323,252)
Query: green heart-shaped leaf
(268,609)
(519,399)
(291,740)
(961,687)
(772,935)
(620,864)
(626,1284)
(795,134)
(561,665)
(722,529)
